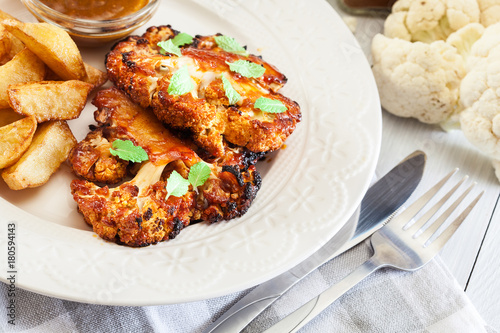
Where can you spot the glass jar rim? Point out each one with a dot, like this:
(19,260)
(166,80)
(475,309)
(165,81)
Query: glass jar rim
(52,14)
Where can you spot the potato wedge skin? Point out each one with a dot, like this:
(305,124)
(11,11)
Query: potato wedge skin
(5,43)
(15,138)
(5,16)
(95,76)
(50,100)
(15,45)
(49,148)
(51,44)
(24,67)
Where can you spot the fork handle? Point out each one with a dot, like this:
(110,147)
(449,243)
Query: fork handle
(312,308)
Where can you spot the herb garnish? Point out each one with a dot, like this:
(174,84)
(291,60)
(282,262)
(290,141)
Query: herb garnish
(229,44)
(270,105)
(177,185)
(126,150)
(172,45)
(180,82)
(246,68)
(231,94)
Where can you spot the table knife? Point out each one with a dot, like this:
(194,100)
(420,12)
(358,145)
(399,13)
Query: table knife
(381,201)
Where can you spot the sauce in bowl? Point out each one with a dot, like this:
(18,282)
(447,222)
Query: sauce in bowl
(94,22)
(96,9)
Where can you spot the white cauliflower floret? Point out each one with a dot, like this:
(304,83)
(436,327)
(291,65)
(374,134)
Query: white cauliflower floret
(429,20)
(464,38)
(416,79)
(480,96)
(480,120)
(487,47)
(490,11)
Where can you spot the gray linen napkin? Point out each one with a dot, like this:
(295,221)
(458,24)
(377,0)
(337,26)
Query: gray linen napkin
(428,300)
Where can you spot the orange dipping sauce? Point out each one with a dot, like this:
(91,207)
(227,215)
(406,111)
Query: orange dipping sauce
(96,9)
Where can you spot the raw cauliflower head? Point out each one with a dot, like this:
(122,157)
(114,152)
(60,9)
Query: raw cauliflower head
(429,20)
(480,121)
(480,94)
(416,79)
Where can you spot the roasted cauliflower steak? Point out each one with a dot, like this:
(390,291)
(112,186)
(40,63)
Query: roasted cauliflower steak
(139,212)
(138,66)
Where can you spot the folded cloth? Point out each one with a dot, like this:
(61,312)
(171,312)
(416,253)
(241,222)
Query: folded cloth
(389,300)
(428,300)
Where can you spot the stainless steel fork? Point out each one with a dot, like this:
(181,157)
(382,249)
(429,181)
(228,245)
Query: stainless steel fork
(403,243)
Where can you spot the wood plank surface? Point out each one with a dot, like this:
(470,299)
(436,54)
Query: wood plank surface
(473,254)
(484,285)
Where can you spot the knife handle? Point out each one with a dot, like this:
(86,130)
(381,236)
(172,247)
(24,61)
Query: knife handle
(252,304)
(311,309)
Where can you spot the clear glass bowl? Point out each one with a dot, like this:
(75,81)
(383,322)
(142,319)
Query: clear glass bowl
(93,32)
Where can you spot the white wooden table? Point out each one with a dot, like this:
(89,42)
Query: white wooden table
(473,254)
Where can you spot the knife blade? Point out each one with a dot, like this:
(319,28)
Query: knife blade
(381,200)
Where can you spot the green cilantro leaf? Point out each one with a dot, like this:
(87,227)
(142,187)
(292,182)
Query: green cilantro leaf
(168,46)
(182,39)
(270,105)
(177,185)
(126,150)
(246,68)
(181,82)
(229,44)
(231,94)
(172,45)
(199,173)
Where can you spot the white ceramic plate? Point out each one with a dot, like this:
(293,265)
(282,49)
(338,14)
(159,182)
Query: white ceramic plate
(309,191)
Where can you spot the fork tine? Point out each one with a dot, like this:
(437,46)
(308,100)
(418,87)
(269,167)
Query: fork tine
(439,242)
(431,230)
(403,218)
(430,213)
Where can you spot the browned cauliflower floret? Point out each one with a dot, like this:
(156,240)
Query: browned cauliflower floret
(92,160)
(138,67)
(137,212)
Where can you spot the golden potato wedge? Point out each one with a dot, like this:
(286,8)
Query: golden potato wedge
(49,100)
(5,43)
(8,116)
(95,76)
(49,148)
(15,139)
(51,44)
(15,45)
(51,76)
(5,16)
(24,67)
